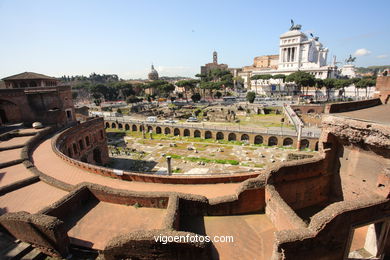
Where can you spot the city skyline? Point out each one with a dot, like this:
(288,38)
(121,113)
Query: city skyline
(125,38)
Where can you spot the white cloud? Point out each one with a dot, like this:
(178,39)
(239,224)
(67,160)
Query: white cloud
(362,52)
(382,56)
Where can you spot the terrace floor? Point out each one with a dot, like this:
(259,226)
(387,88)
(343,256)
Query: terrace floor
(31,198)
(253,235)
(60,170)
(99,222)
(13,174)
(378,114)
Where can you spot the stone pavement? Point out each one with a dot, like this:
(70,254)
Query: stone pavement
(378,114)
(49,163)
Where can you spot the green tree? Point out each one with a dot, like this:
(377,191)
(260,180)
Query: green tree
(301,79)
(196,97)
(319,84)
(279,76)
(250,96)
(366,83)
(329,85)
(341,84)
(187,85)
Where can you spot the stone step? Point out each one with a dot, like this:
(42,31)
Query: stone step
(17,251)
(34,254)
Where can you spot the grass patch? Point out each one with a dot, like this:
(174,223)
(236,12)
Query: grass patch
(203,159)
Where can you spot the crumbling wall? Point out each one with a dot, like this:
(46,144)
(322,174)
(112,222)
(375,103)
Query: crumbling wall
(46,232)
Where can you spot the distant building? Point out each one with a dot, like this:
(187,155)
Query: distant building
(214,65)
(153,74)
(296,52)
(29,80)
(30,97)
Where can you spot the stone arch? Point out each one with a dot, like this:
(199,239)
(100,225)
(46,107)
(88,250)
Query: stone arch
(97,155)
(208,135)
(107,125)
(167,131)
(158,130)
(232,137)
(120,126)
(176,132)
(258,139)
(9,112)
(311,111)
(113,125)
(244,137)
(196,133)
(141,128)
(288,141)
(304,144)
(316,147)
(127,127)
(134,128)
(150,129)
(219,136)
(272,141)
(186,132)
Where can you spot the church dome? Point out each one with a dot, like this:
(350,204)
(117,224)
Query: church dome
(153,74)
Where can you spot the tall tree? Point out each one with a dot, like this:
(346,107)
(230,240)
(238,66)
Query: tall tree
(187,85)
(279,76)
(329,85)
(341,84)
(301,79)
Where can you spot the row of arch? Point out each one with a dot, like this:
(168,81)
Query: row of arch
(258,139)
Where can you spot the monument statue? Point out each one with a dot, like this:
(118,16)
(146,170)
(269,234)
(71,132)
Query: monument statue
(295,26)
(350,60)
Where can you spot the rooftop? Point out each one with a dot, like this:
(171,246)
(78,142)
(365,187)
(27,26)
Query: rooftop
(28,75)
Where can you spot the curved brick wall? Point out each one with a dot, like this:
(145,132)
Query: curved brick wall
(63,145)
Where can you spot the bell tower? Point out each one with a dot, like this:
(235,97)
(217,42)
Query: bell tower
(215,57)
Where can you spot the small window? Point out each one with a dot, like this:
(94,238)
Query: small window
(87,140)
(81,145)
(69,114)
(75,148)
(69,152)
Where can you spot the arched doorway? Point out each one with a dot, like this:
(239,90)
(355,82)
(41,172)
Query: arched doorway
(197,133)
(127,127)
(167,131)
(97,155)
(186,132)
(208,135)
(244,137)
(134,128)
(232,137)
(113,125)
(176,132)
(107,125)
(305,144)
(272,141)
(288,142)
(258,139)
(220,136)
(120,126)
(158,130)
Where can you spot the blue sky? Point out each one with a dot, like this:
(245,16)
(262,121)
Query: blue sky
(74,37)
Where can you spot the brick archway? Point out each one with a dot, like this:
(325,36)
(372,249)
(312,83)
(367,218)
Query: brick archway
(258,139)
(176,132)
(167,131)
(244,137)
(158,130)
(186,132)
(288,141)
(232,137)
(134,128)
(208,135)
(272,141)
(197,133)
(127,127)
(219,136)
